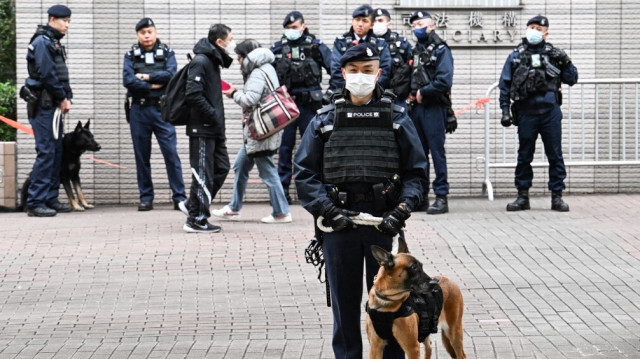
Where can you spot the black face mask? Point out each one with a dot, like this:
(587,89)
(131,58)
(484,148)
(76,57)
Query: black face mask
(226,59)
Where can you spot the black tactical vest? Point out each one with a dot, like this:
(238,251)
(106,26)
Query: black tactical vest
(349,42)
(534,74)
(393,42)
(146,62)
(59,57)
(424,63)
(362,147)
(298,64)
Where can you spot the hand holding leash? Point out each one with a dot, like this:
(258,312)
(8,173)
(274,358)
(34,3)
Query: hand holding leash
(394,220)
(338,218)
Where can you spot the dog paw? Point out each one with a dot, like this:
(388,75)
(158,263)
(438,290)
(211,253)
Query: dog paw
(78,209)
(88,206)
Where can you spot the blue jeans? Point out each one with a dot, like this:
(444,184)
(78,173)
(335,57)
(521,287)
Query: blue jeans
(268,174)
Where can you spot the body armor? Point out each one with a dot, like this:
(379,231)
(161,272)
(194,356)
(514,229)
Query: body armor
(299,64)
(146,62)
(362,147)
(424,63)
(349,42)
(400,70)
(59,57)
(534,73)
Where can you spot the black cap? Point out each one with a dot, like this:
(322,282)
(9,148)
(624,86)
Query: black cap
(292,17)
(59,11)
(362,52)
(145,22)
(420,14)
(381,12)
(540,20)
(362,10)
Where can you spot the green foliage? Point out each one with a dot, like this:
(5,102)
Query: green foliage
(7,109)
(7,67)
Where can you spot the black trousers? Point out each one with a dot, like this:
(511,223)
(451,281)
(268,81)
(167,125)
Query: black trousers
(209,161)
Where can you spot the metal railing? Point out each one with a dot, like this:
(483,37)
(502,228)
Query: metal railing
(585,147)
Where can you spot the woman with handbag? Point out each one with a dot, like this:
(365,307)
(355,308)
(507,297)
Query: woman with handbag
(256,67)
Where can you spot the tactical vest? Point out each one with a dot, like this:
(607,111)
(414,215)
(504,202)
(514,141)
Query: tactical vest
(146,62)
(424,63)
(534,74)
(59,57)
(299,64)
(362,147)
(349,42)
(396,51)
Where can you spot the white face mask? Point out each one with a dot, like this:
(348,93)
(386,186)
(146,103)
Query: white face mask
(380,28)
(534,36)
(359,84)
(230,49)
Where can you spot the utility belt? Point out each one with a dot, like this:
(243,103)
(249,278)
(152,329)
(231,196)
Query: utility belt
(146,101)
(383,195)
(313,97)
(35,96)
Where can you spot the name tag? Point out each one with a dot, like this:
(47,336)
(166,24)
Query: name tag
(362,114)
(148,58)
(535,60)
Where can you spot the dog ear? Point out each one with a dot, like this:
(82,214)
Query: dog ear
(79,126)
(383,257)
(86,126)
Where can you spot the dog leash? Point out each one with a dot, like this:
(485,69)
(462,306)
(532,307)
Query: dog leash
(364,219)
(58,117)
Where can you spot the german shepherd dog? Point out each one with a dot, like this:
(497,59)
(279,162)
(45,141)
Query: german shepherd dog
(399,275)
(74,144)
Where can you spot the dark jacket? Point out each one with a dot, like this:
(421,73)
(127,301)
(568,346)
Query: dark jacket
(204,93)
(44,50)
(140,88)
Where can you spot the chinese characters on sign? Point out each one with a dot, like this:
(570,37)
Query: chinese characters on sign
(475,28)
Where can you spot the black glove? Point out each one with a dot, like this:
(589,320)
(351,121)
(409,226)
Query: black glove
(506,119)
(393,221)
(338,218)
(452,124)
(326,98)
(559,55)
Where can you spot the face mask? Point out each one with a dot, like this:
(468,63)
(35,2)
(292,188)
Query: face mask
(380,28)
(421,34)
(230,49)
(360,85)
(534,36)
(292,34)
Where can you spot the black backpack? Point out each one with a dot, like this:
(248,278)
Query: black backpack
(174,106)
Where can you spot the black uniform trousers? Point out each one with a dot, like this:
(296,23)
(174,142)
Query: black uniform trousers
(209,161)
(344,252)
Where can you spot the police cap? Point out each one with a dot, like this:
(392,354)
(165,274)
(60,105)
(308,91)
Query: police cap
(381,12)
(59,11)
(292,17)
(144,22)
(362,52)
(417,15)
(362,10)
(540,20)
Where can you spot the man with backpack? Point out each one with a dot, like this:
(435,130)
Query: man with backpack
(208,155)
(147,68)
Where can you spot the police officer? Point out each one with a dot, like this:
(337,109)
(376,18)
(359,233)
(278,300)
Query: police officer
(360,32)
(400,50)
(300,58)
(351,149)
(530,87)
(431,80)
(48,81)
(147,68)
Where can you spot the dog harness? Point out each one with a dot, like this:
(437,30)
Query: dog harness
(427,305)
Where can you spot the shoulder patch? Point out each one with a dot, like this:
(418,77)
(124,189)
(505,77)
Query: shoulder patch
(31,47)
(197,78)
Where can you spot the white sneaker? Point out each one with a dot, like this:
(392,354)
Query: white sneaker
(285,218)
(226,213)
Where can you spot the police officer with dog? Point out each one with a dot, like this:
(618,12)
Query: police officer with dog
(47,89)
(530,98)
(300,58)
(431,81)
(361,153)
(147,68)
(361,31)
(400,50)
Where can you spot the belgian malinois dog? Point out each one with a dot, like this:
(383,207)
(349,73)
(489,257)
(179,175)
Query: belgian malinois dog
(399,276)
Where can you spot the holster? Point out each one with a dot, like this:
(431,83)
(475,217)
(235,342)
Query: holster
(127,109)
(32,109)
(514,114)
(46,100)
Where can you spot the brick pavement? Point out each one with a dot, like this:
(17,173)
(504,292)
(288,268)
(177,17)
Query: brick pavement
(116,283)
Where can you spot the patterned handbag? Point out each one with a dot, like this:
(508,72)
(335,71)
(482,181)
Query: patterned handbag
(273,113)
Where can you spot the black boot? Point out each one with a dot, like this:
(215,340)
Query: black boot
(521,203)
(439,206)
(557,204)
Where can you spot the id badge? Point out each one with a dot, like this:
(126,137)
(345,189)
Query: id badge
(295,53)
(535,60)
(148,58)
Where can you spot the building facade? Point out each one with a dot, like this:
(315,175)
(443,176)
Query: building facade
(598,35)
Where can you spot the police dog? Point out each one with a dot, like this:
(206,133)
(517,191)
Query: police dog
(399,275)
(74,144)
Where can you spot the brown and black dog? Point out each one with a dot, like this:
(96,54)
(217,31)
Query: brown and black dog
(399,275)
